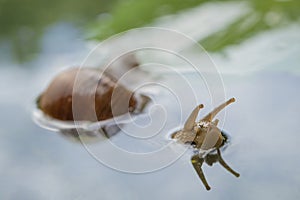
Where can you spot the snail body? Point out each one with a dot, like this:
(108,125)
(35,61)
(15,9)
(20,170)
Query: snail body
(206,139)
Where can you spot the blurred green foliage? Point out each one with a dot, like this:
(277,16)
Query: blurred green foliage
(130,14)
(264,15)
(25,21)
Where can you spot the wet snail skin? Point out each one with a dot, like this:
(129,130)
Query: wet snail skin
(206,139)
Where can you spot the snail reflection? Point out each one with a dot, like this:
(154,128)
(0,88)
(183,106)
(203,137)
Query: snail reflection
(206,139)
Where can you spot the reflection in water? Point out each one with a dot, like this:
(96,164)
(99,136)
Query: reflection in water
(70,130)
(205,137)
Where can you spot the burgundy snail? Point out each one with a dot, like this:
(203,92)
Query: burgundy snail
(206,139)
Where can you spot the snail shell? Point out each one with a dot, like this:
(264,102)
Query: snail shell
(92,98)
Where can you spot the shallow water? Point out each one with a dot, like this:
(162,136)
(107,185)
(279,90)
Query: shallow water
(262,74)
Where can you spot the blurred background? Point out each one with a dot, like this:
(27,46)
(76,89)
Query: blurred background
(255,45)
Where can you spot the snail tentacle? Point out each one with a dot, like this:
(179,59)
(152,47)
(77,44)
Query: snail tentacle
(209,117)
(189,124)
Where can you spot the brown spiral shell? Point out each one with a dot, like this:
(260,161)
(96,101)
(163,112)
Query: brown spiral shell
(93,96)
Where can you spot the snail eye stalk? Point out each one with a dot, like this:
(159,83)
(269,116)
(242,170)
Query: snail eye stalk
(189,124)
(209,117)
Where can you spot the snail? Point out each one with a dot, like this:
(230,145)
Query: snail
(96,95)
(206,140)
